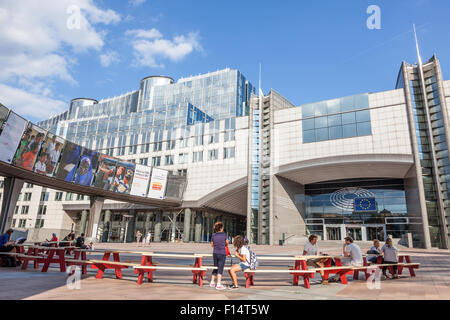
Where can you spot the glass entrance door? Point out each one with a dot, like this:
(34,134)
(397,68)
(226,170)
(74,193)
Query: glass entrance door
(355,233)
(333,233)
(375,232)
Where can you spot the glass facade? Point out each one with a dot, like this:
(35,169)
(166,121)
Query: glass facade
(336,119)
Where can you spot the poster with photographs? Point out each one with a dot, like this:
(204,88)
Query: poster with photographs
(106,172)
(32,140)
(123,177)
(4,111)
(69,162)
(49,155)
(10,136)
(86,167)
(141,180)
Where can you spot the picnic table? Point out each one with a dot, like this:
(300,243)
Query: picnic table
(116,264)
(45,255)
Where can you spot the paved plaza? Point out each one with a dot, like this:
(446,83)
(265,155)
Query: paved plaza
(432,280)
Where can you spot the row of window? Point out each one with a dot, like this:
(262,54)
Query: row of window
(25,209)
(22,223)
(183,158)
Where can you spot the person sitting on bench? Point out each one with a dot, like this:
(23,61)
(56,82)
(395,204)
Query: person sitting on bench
(374,250)
(352,254)
(80,242)
(243,254)
(390,256)
(53,239)
(5,244)
(311,249)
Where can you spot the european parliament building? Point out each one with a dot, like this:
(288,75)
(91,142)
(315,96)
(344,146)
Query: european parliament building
(368,165)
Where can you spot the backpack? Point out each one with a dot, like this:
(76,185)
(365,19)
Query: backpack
(253,263)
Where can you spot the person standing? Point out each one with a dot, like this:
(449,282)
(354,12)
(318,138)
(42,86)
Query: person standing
(138,238)
(148,237)
(218,241)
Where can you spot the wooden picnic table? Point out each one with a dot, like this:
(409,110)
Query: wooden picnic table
(46,255)
(116,264)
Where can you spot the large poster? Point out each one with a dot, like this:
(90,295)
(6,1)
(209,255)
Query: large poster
(69,162)
(140,180)
(10,136)
(158,184)
(49,155)
(3,115)
(29,147)
(124,177)
(106,172)
(86,167)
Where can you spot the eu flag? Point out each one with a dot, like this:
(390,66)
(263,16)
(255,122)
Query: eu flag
(365,205)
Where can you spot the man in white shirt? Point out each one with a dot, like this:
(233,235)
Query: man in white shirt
(352,256)
(40,166)
(311,249)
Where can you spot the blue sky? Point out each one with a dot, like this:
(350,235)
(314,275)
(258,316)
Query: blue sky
(309,50)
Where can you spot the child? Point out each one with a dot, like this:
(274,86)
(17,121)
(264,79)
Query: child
(243,254)
(40,166)
(390,256)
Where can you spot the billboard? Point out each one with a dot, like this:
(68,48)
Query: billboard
(69,162)
(140,180)
(3,115)
(86,168)
(10,137)
(123,178)
(158,184)
(29,147)
(49,155)
(106,172)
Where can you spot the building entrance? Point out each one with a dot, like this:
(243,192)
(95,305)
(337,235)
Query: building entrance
(355,232)
(333,232)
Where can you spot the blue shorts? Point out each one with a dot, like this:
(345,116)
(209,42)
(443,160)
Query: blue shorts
(243,266)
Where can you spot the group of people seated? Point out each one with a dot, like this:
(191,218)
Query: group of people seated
(352,256)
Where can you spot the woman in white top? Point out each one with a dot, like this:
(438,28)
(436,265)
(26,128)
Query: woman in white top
(243,254)
(138,237)
(390,256)
(149,237)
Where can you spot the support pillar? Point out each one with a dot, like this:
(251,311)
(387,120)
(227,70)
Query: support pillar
(148,222)
(158,219)
(174,227)
(187,225)
(84,217)
(198,226)
(11,191)
(96,205)
(208,227)
(106,226)
(131,226)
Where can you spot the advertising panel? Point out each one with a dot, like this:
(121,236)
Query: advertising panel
(86,167)
(49,155)
(3,115)
(69,162)
(10,136)
(106,172)
(158,184)
(140,180)
(124,177)
(29,146)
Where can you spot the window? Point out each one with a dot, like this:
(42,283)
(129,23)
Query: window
(143,161)
(58,196)
(169,160)
(2,183)
(213,154)
(182,172)
(25,209)
(197,156)
(39,223)
(230,126)
(228,153)
(156,161)
(69,196)
(42,209)
(13,223)
(182,158)
(44,196)
(16,210)
(145,146)
(27,196)
(29,185)
(133,144)
(80,197)
(22,223)
(20,197)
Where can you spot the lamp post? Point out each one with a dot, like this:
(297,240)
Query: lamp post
(127,220)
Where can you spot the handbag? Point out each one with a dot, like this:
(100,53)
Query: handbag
(227,251)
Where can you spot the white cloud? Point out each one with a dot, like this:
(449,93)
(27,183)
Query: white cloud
(136,3)
(109,58)
(29,104)
(37,44)
(149,46)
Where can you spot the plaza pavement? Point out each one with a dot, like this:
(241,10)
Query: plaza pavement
(432,280)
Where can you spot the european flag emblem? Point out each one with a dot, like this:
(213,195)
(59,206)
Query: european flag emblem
(365,205)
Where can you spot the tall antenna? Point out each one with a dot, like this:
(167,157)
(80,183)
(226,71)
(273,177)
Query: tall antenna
(417,45)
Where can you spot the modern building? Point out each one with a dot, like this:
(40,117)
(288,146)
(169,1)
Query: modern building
(368,165)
